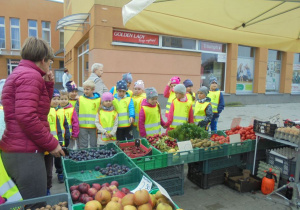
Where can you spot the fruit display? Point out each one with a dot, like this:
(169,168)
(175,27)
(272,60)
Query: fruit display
(163,142)
(133,151)
(219,138)
(246,132)
(205,144)
(83,155)
(59,206)
(291,134)
(113,169)
(188,131)
(108,196)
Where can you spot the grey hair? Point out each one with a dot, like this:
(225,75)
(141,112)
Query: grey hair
(96,66)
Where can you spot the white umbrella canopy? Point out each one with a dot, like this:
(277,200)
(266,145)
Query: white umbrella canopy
(259,23)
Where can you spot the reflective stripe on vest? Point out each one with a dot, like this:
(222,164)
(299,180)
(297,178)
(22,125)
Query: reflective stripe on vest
(61,117)
(200,111)
(107,119)
(52,122)
(123,112)
(181,112)
(87,111)
(215,99)
(152,120)
(73,102)
(8,189)
(170,99)
(137,100)
(69,114)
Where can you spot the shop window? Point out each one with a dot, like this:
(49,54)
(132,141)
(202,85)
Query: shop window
(15,33)
(46,31)
(174,42)
(296,74)
(83,67)
(61,64)
(273,71)
(2,33)
(11,65)
(32,28)
(245,69)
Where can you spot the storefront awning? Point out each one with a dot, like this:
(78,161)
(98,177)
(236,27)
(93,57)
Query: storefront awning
(271,24)
(74,21)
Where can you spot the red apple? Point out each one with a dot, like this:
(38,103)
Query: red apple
(96,186)
(105,185)
(125,190)
(75,195)
(92,192)
(113,187)
(74,187)
(119,194)
(87,199)
(83,187)
(114,191)
(115,183)
(82,196)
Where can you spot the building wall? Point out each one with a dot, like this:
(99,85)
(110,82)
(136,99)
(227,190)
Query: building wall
(39,10)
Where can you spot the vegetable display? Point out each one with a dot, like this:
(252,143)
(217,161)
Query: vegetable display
(188,131)
(246,132)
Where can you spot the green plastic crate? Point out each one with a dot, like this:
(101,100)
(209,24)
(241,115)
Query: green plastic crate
(213,152)
(73,169)
(107,146)
(49,200)
(129,180)
(178,157)
(240,147)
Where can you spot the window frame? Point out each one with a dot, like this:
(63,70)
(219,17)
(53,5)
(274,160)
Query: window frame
(47,29)
(33,28)
(13,26)
(3,25)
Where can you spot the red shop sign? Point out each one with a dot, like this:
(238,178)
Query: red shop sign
(138,38)
(211,46)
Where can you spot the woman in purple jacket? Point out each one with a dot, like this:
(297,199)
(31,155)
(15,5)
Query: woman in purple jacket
(26,102)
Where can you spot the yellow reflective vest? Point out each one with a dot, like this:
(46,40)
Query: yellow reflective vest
(215,99)
(52,122)
(128,91)
(152,120)
(107,119)
(73,102)
(181,112)
(123,112)
(200,113)
(61,117)
(137,100)
(69,113)
(88,109)
(171,98)
(8,189)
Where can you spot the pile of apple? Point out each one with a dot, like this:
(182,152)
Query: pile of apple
(109,197)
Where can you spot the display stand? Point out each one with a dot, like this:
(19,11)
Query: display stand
(295,200)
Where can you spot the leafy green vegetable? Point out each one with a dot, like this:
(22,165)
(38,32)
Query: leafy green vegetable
(188,131)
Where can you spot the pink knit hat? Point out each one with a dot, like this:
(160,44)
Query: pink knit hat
(175,80)
(139,84)
(107,96)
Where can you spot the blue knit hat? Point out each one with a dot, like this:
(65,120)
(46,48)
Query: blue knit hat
(188,83)
(121,85)
(56,93)
(71,86)
(213,79)
(127,77)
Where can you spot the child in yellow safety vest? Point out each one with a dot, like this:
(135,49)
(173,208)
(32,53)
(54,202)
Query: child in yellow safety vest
(217,102)
(128,79)
(106,120)
(59,128)
(181,110)
(87,107)
(169,92)
(137,98)
(72,92)
(203,111)
(125,108)
(71,117)
(189,90)
(150,118)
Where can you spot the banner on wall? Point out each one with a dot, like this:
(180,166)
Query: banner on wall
(296,79)
(137,38)
(273,76)
(245,74)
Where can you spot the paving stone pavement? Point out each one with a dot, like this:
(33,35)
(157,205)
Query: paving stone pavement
(221,197)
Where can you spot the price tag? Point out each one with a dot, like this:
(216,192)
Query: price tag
(276,119)
(235,122)
(145,183)
(185,146)
(164,192)
(235,138)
